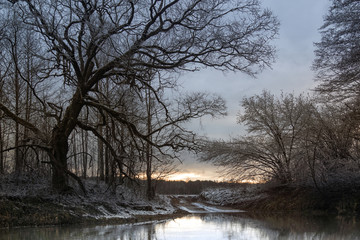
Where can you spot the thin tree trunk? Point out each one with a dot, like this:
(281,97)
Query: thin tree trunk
(1,148)
(84,138)
(112,161)
(28,103)
(101,156)
(123,153)
(107,160)
(75,156)
(2,164)
(107,137)
(149,190)
(18,163)
(18,157)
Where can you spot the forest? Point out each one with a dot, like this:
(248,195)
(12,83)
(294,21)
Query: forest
(89,88)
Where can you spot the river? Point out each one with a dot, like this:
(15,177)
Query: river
(210,226)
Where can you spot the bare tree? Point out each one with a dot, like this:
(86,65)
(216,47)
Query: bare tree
(333,144)
(19,68)
(273,148)
(90,41)
(2,75)
(149,149)
(337,54)
(337,66)
(13,43)
(2,158)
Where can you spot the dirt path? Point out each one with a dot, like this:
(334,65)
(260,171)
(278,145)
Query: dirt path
(192,204)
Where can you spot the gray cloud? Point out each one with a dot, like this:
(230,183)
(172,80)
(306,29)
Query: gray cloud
(300,21)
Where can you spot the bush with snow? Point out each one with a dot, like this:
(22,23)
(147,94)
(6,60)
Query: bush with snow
(229,196)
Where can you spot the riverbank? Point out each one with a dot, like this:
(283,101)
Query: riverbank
(35,211)
(287,200)
(30,202)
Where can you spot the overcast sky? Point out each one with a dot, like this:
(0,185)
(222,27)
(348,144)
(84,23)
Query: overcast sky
(300,21)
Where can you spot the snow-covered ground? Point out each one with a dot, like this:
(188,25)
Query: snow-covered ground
(101,202)
(230,196)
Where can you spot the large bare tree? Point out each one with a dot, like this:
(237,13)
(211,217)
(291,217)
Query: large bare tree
(88,41)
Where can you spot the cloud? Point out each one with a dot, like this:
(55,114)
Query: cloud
(300,21)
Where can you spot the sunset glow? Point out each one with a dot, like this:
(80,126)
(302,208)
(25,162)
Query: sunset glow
(191,176)
(187,176)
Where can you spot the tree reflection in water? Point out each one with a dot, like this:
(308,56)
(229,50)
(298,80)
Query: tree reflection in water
(203,227)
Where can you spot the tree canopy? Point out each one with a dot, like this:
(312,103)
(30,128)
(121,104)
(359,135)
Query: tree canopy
(91,60)
(337,54)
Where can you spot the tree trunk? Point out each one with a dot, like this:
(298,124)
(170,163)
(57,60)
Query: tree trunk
(75,155)
(18,157)
(27,158)
(60,149)
(84,138)
(1,148)
(149,190)
(60,146)
(2,164)
(123,153)
(107,157)
(101,156)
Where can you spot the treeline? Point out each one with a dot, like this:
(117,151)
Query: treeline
(308,140)
(89,88)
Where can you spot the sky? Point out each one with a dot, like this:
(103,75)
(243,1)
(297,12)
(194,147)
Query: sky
(299,24)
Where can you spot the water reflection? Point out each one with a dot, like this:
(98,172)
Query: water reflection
(207,227)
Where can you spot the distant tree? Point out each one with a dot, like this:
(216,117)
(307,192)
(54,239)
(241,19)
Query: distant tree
(337,54)
(3,71)
(17,78)
(172,135)
(90,41)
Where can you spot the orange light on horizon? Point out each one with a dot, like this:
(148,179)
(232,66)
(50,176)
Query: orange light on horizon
(188,176)
(193,176)
(252,181)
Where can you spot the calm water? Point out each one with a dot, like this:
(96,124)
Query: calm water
(201,227)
